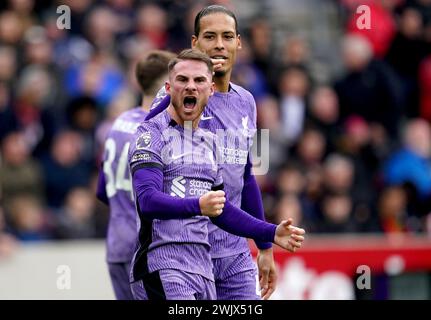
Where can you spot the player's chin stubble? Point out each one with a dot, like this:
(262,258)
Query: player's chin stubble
(219,74)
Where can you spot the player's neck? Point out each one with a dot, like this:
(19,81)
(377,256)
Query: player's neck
(146,103)
(222,83)
(174,115)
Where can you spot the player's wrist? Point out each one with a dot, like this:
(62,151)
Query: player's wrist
(265,251)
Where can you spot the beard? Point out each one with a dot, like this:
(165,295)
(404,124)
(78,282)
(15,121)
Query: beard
(219,74)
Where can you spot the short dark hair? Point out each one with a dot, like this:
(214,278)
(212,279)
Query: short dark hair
(211,10)
(191,54)
(151,68)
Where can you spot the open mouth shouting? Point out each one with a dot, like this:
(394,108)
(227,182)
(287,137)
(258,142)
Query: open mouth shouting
(189,103)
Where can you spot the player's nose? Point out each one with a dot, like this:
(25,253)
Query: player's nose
(191,86)
(219,43)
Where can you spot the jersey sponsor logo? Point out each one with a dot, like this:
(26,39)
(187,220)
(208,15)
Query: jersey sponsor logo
(144,140)
(195,187)
(141,157)
(177,188)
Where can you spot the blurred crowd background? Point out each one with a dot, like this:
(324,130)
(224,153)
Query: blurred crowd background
(348,109)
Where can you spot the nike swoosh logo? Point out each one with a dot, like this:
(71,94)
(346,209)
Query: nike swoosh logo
(175,157)
(206,118)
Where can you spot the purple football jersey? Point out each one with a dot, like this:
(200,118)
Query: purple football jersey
(122,229)
(189,170)
(234,114)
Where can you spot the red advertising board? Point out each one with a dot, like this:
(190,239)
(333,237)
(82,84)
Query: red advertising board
(333,267)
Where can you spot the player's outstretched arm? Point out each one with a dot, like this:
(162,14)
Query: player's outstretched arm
(251,201)
(238,222)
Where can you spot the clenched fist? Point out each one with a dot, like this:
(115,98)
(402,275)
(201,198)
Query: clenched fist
(212,203)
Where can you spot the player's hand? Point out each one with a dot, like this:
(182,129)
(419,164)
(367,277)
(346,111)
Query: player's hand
(212,203)
(267,273)
(288,236)
(217,64)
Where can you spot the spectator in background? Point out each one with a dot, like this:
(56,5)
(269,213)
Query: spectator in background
(268,117)
(382,25)
(309,153)
(293,87)
(292,182)
(393,213)
(23,8)
(68,49)
(289,206)
(64,168)
(79,10)
(261,44)
(82,117)
(339,174)
(310,149)
(38,51)
(336,211)
(295,52)
(341,180)
(370,88)
(28,219)
(412,163)
(124,11)
(8,63)
(76,219)
(19,172)
(151,24)
(30,109)
(100,28)
(100,77)
(247,74)
(11,28)
(323,114)
(367,147)
(405,54)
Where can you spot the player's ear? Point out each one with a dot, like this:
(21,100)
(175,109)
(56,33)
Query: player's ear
(194,41)
(212,88)
(238,39)
(168,87)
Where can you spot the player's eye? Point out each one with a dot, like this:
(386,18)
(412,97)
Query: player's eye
(209,36)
